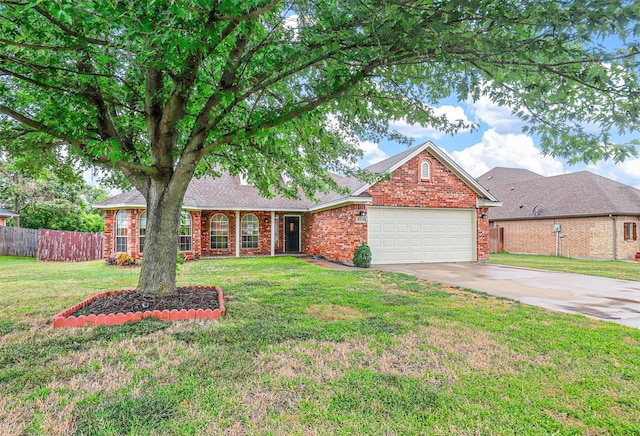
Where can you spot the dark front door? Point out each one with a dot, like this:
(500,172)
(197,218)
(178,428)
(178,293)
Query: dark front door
(292,233)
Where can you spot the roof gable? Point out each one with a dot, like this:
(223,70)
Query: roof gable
(395,162)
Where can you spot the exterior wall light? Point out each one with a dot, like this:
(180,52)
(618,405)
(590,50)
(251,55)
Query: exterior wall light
(363,213)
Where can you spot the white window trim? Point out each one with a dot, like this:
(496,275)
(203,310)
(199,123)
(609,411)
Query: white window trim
(211,232)
(422,165)
(126,227)
(189,235)
(141,246)
(258,232)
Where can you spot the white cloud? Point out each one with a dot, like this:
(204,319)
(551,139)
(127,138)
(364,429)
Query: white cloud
(506,150)
(627,172)
(372,153)
(495,116)
(453,114)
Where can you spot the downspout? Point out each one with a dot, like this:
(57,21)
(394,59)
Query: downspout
(615,238)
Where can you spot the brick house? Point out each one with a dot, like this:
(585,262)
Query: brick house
(5,215)
(429,210)
(580,215)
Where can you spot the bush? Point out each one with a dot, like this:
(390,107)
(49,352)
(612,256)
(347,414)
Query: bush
(124,259)
(111,260)
(362,256)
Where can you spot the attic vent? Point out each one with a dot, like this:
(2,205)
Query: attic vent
(489,177)
(511,189)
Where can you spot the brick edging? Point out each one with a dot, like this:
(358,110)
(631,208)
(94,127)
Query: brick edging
(65,319)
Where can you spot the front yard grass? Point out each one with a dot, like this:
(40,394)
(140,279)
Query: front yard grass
(614,269)
(305,350)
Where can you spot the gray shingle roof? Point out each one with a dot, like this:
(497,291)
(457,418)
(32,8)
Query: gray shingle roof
(226,192)
(527,195)
(7,213)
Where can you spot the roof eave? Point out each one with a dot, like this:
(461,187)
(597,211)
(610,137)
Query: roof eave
(340,202)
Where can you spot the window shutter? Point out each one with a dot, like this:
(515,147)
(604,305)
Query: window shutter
(626,231)
(635,232)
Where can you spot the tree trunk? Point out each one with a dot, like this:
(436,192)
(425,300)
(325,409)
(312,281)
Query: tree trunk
(164,204)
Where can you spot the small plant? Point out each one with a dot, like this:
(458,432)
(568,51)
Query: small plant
(110,261)
(124,259)
(362,256)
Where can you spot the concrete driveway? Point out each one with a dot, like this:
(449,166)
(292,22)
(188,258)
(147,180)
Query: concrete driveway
(598,297)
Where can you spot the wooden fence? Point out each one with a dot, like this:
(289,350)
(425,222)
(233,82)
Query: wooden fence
(15,241)
(496,239)
(51,245)
(54,245)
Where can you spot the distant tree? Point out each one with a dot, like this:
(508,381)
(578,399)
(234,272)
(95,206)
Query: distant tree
(162,90)
(50,198)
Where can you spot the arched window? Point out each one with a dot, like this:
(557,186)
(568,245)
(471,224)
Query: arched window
(142,229)
(250,231)
(122,227)
(219,231)
(425,170)
(185,231)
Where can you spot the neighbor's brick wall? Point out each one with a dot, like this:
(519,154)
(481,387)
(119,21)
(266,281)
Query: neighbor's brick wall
(627,249)
(3,220)
(334,233)
(442,190)
(584,238)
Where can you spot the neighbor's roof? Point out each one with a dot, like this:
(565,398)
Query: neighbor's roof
(226,191)
(7,213)
(527,195)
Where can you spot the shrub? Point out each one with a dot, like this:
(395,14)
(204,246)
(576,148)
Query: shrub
(362,256)
(124,259)
(111,260)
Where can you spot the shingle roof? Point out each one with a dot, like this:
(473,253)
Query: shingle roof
(7,213)
(226,191)
(530,196)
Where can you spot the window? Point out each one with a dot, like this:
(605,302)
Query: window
(185,231)
(142,229)
(122,225)
(630,232)
(425,170)
(250,231)
(219,230)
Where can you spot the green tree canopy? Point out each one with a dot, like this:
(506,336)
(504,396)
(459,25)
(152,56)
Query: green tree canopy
(162,90)
(50,196)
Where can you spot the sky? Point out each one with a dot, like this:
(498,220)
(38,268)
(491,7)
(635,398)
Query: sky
(499,142)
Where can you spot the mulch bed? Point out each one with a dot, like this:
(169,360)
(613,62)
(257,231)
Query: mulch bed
(134,301)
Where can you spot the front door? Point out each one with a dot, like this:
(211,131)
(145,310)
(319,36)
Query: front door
(292,233)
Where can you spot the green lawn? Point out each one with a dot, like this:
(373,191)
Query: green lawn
(308,351)
(614,269)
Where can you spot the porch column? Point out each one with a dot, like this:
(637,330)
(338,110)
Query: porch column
(238,242)
(273,233)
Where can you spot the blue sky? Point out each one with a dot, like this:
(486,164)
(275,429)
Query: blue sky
(498,142)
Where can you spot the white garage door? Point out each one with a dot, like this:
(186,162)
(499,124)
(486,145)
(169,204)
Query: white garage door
(411,235)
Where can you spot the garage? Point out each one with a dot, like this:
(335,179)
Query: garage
(416,235)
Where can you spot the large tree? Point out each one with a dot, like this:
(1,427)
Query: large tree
(163,90)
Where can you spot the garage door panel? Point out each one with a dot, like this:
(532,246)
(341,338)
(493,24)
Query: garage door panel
(412,235)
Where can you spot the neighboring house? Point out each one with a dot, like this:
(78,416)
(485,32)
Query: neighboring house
(579,215)
(430,210)
(5,215)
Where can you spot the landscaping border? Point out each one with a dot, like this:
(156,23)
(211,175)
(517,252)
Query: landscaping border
(65,319)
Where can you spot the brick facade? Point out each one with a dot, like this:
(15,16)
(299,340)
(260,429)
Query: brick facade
(582,238)
(333,233)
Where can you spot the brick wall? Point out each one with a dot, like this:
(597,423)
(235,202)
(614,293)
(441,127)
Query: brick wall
(443,189)
(583,238)
(334,233)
